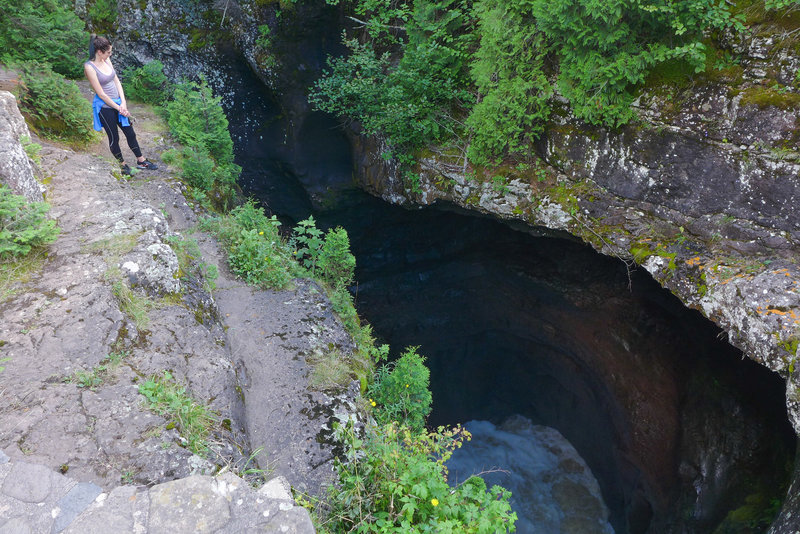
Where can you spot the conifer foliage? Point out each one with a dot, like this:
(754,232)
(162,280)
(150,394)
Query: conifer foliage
(478,76)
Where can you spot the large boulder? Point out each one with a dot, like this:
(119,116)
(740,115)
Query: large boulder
(15,168)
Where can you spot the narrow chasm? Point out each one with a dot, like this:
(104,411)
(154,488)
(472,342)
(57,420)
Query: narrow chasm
(537,338)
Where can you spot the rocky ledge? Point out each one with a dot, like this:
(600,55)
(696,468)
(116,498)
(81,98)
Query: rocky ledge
(111,305)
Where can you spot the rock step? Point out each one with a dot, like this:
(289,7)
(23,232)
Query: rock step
(36,499)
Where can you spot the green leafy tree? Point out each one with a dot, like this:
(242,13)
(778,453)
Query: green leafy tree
(196,119)
(607,47)
(411,101)
(102,14)
(507,69)
(46,31)
(477,75)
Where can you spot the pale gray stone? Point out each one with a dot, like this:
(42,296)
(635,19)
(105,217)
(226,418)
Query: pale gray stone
(187,505)
(16,525)
(28,482)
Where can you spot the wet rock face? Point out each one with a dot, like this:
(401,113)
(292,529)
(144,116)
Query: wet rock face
(16,171)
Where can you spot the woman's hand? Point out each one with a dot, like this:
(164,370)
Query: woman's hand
(123,110)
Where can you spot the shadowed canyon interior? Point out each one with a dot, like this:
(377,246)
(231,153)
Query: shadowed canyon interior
(678,428)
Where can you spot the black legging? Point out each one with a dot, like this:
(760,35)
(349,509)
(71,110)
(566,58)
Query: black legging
(109,118)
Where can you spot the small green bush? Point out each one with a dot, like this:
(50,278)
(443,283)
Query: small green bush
(23,226)
(54,105)
(401,391)
(256,251)
(336,263)
(307,241)
(258,261)
(47,31)
(147,83)
(394,480)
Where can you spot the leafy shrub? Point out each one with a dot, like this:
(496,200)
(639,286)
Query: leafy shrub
(401,391)
(307,242)
(336,263)
(258,261)
(43,30)
(54,105)
(147,83)
(411,101)
(256,251)
(23,226)
(395,481)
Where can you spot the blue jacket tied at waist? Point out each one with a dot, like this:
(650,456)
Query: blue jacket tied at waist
(98,103)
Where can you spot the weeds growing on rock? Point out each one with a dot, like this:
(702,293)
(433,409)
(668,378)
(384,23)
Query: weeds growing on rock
(135,306)
(192,419)
(189,261)
(95,377)
(17,271)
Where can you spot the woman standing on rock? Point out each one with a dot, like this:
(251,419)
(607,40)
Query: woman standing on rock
(110,109)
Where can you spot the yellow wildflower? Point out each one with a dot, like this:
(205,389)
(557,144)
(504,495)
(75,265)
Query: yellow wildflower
(435,502)
(261,232)
(406,385)
(372,402)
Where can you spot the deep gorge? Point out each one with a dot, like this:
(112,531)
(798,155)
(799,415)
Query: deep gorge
(678,428)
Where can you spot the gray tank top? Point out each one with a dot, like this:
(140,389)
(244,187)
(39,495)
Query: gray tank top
(106,81)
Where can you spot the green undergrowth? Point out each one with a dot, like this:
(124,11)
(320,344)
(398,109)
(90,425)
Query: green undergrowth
(193,420)
(54,105)
(25,233)
(393,477)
